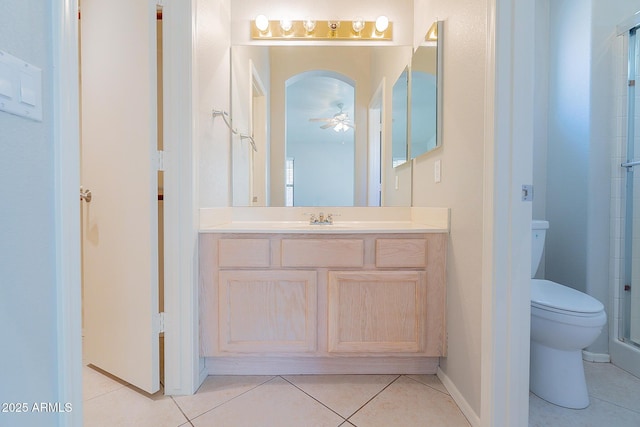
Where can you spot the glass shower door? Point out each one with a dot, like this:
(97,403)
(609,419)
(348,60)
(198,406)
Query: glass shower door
(632,215)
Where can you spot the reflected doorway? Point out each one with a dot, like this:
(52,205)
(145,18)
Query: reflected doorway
(320,139)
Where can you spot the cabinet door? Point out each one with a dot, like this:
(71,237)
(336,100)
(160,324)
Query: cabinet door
(377,311)
(267,311)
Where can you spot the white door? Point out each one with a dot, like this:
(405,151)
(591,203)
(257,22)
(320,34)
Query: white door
(120,231)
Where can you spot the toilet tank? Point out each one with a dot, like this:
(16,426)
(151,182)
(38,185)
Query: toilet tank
(538,234)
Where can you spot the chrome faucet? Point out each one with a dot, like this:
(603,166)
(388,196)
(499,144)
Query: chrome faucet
(320,219)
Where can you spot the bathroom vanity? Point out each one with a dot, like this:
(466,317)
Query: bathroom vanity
(352,297)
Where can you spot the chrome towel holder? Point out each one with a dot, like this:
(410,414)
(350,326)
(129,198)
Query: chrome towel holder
(227,120)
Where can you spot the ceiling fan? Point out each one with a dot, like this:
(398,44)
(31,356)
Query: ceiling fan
(340,122)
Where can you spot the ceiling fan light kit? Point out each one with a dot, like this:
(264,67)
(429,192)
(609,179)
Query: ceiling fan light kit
(340,122)
(309,29)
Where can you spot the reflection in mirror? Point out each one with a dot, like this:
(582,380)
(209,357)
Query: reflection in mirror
(288,98)
(319,139)
(400,117)
(426,88)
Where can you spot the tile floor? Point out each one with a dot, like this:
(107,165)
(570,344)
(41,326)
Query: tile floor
(615,402)
(269,401)
(340,400)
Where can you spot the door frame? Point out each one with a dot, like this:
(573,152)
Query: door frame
(184,370)
(506,263)
(374,146)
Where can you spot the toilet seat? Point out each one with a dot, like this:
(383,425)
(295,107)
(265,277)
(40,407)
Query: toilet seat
(554,297)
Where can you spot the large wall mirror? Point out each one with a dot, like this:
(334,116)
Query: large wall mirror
(417,101)
(400,121)
(307,108)
(426,93)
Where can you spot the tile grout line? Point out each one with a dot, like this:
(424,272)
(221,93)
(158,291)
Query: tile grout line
(427,385)
(233,398)
(614,404)
(369,401)
(343,418)
(181,411)
(105,393)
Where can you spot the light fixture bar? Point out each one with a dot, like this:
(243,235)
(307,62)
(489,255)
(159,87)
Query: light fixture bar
(323,30)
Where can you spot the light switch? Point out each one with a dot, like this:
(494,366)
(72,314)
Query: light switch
(28,90)
(437,172)
(20,87)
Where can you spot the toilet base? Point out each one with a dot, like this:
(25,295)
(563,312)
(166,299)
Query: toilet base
(557,376)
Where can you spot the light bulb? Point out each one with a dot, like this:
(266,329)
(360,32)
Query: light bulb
(262,23)
(309,25)
(357,25)
(286,24)
(382,23)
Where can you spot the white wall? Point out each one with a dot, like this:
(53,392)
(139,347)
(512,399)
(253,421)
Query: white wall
(28,310)
(572,166)
(211,91)
(568,144)
(244,60)
(461,189)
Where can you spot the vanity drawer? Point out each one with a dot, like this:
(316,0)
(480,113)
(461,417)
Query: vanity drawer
(406,253)
(244,253)
(322,253)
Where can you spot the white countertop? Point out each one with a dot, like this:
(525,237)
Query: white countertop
(346,220)
(340,227)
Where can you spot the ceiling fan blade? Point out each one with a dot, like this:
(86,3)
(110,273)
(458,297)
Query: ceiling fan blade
(327,126)
(321,120)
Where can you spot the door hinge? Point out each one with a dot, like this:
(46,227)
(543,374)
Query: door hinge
(632,83)
(160,160)
(161,320)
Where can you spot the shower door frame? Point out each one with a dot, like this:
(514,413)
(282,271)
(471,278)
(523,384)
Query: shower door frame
(624,353)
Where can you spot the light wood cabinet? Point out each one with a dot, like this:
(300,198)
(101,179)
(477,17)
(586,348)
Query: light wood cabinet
(338,303)
(376,311)
(267,311)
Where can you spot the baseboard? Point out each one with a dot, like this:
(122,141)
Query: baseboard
(462,403)
(203,371)
(256,365)
(596,357)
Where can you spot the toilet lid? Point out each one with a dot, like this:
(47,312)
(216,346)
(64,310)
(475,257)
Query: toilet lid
(546,294)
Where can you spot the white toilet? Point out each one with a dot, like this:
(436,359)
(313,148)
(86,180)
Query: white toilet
(563,322)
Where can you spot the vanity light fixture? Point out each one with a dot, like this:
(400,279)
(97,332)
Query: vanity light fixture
(357,25)
(286,24)
(382,23)
(333,24)
(262,23)
(309,29)
(309,25)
